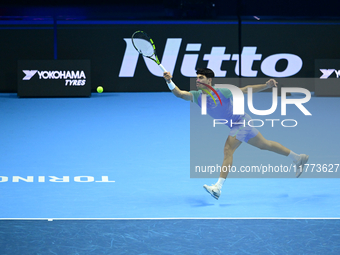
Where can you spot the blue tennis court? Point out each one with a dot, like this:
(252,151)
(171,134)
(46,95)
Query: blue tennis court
(171,237)
(127,155)
(120,162)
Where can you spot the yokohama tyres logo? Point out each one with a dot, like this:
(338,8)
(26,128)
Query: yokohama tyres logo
(327,72)
(72,78)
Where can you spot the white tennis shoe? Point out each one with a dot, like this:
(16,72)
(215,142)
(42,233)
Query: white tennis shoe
(301,164)
(213,190)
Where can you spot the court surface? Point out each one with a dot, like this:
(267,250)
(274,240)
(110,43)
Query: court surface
(110,174)
(127,155)
(170,237)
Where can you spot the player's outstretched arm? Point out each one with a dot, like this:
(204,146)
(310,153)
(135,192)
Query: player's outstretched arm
(175,90)
(257,88)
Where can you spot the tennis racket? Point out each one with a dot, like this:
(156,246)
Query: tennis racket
(146,47)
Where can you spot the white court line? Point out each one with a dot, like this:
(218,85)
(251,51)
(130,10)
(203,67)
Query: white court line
(184,218)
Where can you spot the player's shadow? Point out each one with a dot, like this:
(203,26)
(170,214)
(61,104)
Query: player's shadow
(196,202)
(202,202)
(224,205)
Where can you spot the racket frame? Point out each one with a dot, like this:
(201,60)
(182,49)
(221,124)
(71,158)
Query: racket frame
(155,59)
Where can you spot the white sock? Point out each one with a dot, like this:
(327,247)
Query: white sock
(220,182)
(295,157)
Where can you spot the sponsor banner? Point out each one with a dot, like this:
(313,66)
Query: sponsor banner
(267,49)
(214,61)
(327,72)
(182,51)
(54,78)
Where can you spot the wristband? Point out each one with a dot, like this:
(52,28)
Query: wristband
(171,85)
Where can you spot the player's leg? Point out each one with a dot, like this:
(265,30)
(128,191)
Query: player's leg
(230,146)
(260,142)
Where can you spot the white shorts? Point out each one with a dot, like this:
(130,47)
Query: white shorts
(243,132)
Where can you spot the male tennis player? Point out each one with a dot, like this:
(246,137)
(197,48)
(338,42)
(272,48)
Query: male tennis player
(240,132)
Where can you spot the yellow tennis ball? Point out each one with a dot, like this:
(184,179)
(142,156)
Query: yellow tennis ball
(100,89)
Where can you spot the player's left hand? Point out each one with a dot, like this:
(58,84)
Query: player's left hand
(271,83)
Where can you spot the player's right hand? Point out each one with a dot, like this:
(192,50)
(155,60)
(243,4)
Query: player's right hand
(167,76)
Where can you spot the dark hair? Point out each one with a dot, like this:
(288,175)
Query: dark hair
(206,72)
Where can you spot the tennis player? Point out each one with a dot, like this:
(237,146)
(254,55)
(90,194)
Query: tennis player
(238,133)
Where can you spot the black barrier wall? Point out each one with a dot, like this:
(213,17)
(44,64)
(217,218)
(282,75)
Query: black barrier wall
(269,49)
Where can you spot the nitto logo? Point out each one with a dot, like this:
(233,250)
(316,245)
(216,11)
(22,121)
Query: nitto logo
(215,59)
(327,72)
(72,78)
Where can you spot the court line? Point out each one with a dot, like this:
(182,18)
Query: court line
(181,218)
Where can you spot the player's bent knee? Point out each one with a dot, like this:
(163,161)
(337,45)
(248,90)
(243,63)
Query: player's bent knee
(228,151)
(264,146)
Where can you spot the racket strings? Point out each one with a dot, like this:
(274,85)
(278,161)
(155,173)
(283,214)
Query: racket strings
(143,47)
(143,44)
